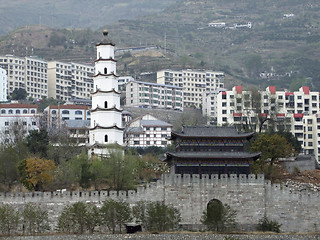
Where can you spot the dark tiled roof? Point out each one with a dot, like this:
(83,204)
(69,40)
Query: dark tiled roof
(134,130)
(210,131)
(221,155)
(155,123)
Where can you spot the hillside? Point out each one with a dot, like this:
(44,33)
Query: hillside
(73,13)
(283,43)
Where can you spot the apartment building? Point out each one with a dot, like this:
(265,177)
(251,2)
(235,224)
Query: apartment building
(147,131)
(20,117)
(70,80)
(3,85)
(29,73)
(297,112)
(57,115)
(153,95)
(193,82)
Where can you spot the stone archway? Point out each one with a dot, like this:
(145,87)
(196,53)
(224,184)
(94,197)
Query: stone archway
(214,215)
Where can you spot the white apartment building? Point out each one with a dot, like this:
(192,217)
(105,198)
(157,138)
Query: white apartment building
(29,73)
(194,83)
(153,95)
(147,131)
(57,115)
(21,117)
(70,80)
(3,85)
(297,112)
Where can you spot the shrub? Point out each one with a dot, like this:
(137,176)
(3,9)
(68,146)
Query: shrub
(267,225)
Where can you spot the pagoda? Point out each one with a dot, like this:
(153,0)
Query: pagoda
(210,150)
(106,121)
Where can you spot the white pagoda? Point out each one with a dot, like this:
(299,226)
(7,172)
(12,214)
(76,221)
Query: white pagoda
(106,121)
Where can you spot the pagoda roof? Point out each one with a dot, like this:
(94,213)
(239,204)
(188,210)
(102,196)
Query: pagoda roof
(110,91)
(105,43)
(215,155)
(105,75)
(106,109)
(210,132)
(105,59)
(110,127)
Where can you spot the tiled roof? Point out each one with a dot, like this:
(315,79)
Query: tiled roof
(17,105)
(70,106)
(210,131)
(77,123)
(221,155)
(155,123)
(134,130)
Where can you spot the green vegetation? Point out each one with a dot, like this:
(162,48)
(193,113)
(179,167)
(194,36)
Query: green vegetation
(156,216)
(219,217)
(81,217)
(267,225)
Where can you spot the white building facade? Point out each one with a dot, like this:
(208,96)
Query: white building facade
(20,117)
(3,85)
(70,80)
(106,120)
(28,73)
(152,95)
(194,83)
(147,131)
(270,110)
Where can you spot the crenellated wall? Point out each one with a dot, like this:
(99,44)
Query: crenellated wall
(252,196)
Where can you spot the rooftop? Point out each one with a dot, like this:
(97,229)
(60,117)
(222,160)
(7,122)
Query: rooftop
(211,131)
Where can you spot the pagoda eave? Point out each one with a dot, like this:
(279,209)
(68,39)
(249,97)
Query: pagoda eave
(106,109)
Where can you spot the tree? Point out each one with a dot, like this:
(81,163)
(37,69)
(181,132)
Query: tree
(267,225)
(19,94)
(157,216)
(115,214)
(36,173)
(79,218)
(9,159)
(272,147)
(38,141)
(9,219)
(219,217)
(35,219)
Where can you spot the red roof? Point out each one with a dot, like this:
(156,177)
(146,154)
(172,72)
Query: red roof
(281,114)
(272,89)
(289,93)
(239,89)
(69,106)
(224,93)
(263,115)
(237,114)
(298,115)
(306,90)
(17,105)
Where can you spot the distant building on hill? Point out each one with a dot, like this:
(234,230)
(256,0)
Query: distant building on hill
(194,83)
(153,95)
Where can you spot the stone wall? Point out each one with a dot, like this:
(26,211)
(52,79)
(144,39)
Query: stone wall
(250,195)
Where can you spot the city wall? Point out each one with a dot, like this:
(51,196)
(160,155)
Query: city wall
(251,196)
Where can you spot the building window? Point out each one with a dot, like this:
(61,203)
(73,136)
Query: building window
(310,144)
(224,119)
(3,111)
(106,104)
(33,111)
(24,123)
(105,138)
(25,111)
(164,129)
(136,142)
(224,111)
(105,70)
(18,111)
(10,111)
(78,112)
(163,142)
(33,123)
(148,142)
(309,136)
(65,112)
(6,123)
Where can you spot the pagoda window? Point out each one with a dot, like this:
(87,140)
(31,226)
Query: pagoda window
(105,70)
(105,138)
(106,104)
